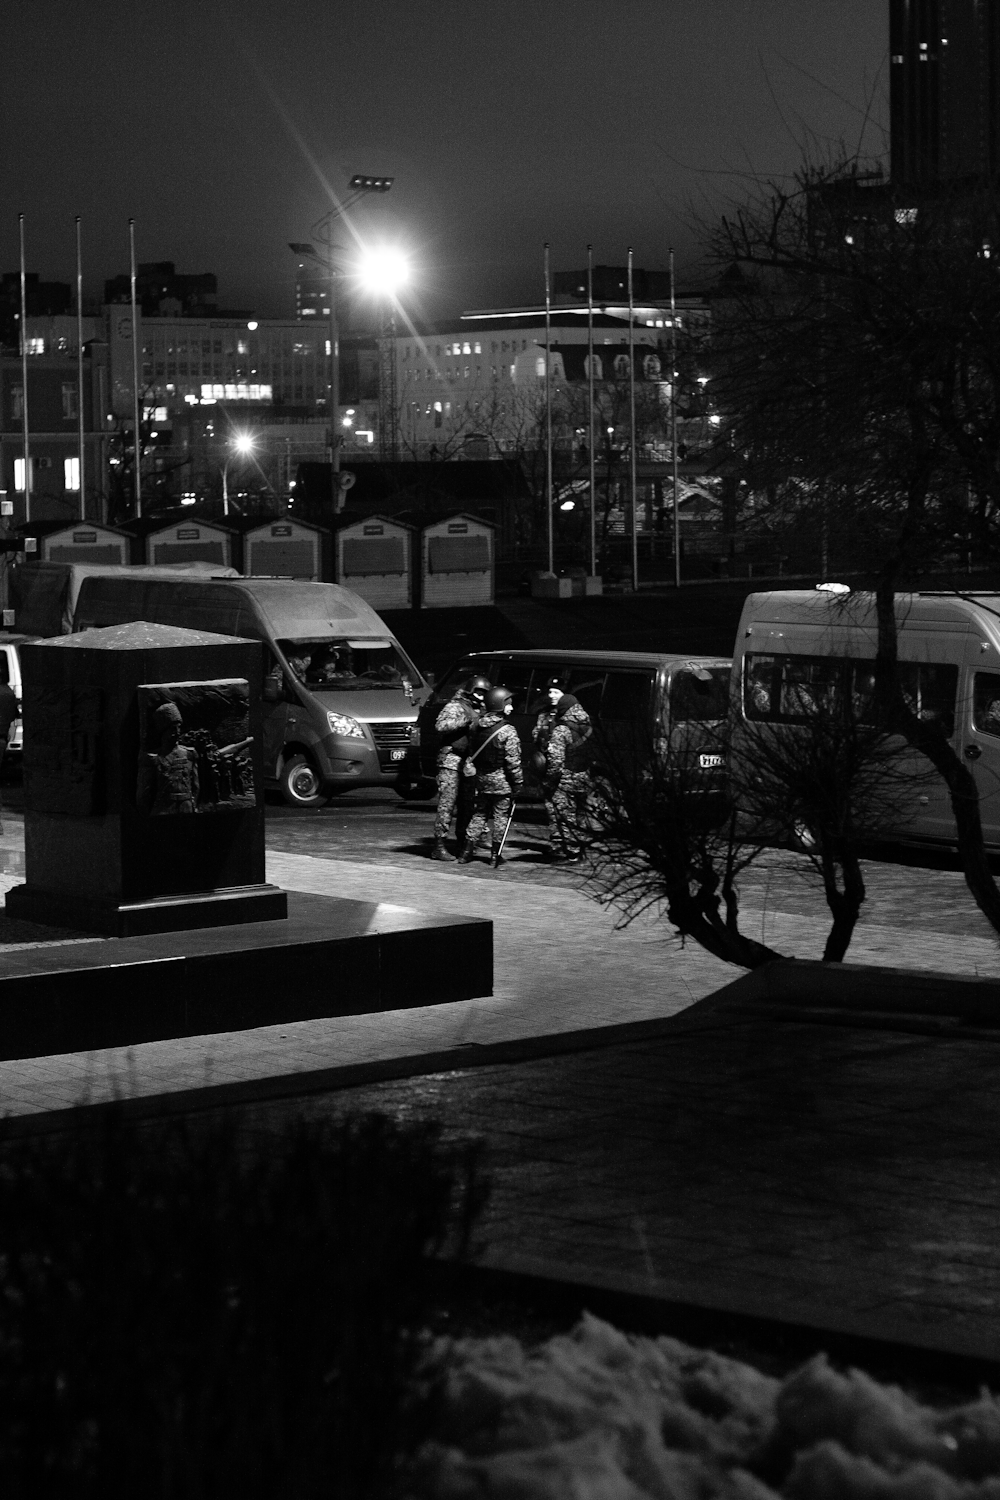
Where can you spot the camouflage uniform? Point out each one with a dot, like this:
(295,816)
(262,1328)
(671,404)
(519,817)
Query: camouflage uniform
(495,789)
(567,790)
(458,716)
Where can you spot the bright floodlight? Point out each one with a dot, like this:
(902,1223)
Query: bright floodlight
(384,270)
(243,443)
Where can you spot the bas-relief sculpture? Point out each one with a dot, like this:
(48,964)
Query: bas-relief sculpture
(194,739)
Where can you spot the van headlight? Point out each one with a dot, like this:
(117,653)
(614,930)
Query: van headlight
(344,725)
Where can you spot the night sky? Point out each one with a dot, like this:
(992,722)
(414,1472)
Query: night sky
(220,126)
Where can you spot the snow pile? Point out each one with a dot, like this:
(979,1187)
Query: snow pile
(599,1415)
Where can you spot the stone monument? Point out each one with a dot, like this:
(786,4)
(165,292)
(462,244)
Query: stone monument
(143,782)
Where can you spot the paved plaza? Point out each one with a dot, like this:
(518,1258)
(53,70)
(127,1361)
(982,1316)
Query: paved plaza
(647,1129)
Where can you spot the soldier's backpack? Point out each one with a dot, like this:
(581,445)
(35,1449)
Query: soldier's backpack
(485,750)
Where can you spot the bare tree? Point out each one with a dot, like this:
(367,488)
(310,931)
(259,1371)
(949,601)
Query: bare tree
(858,363)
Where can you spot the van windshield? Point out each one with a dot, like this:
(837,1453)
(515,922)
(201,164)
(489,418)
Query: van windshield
(344,664)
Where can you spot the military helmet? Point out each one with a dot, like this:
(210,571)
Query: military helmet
(477,687)
(497,699)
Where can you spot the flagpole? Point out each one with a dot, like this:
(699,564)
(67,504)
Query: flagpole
(24,375)
(548,412)
(590,392)
(79,374)
(136,436)
(673,423)
(631,427)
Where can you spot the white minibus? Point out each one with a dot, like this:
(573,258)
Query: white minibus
(796,644)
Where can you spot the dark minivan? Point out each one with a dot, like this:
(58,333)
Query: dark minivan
(634,697)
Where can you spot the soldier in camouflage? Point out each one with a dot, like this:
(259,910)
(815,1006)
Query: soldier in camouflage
(562,734)
(495,754)
(452,725)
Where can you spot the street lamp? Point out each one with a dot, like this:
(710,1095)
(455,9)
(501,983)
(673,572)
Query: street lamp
(383,270)
(359,186)
(241,445)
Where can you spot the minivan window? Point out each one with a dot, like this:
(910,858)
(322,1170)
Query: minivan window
(699,694)
(626,695)
(337,661)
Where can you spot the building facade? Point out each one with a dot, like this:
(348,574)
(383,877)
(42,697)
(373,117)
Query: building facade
(944,90)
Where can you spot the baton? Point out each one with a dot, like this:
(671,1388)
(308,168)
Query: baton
(513,808)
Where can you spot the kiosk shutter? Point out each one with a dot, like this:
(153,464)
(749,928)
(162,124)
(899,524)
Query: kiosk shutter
(373,555)
(458,554)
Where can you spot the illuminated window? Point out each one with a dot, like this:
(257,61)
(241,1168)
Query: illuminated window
(36,346)
(71,473)
(540,368)
(466,349)
(478,349)
(19,474)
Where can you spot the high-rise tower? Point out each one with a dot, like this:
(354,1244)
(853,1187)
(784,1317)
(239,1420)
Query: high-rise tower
(944,89)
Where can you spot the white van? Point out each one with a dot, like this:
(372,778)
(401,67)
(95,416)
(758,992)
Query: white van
(790,643)
(340,693)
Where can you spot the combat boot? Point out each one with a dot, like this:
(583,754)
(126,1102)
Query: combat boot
(496,858)
(440,852)
(468,853)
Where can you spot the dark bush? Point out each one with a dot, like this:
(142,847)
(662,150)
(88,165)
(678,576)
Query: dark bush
(190,1311)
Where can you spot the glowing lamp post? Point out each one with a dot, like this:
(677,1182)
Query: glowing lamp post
(383,271)
(360,185)
(242,446)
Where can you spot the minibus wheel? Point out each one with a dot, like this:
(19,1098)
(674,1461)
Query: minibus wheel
(300,784)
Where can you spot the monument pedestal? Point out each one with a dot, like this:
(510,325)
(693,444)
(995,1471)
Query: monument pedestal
(330,957)
(238,903)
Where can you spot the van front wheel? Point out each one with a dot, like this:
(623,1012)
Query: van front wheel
(300,784)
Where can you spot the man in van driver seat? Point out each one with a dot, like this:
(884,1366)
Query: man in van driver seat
(452,725)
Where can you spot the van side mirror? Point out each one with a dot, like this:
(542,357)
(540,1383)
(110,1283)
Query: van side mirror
(273,689)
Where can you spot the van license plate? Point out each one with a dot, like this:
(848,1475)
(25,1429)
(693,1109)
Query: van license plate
(709,762)
(397,754)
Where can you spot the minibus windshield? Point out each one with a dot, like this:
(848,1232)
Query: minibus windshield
(344,664)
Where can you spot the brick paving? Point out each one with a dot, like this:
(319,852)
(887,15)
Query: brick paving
(843,1178)
(839,1176)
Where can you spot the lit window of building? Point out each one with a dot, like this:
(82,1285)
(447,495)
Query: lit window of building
(36,346)
(19,474)
(71,474)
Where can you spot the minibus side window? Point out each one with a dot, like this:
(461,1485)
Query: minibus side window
(930,689)
(761,675)
(986,702)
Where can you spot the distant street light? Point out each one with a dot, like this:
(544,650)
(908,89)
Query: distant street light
(384,270)
(242,444)
(360,185)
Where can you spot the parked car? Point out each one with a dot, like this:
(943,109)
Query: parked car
(634,698)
